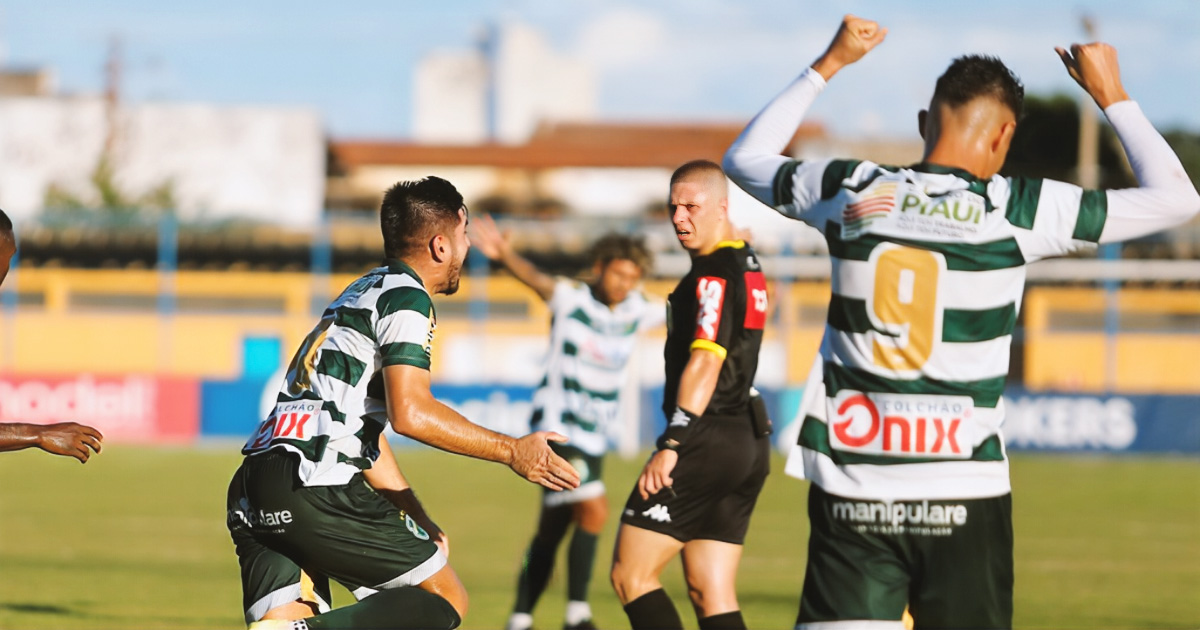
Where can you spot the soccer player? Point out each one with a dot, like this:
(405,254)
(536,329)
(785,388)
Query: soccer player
(593,332)
(319,494)
(910,500)
(697,491)
(63,438)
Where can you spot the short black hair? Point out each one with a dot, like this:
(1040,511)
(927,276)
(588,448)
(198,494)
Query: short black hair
(615,246)
(5,222)
(414,211)
(972,76)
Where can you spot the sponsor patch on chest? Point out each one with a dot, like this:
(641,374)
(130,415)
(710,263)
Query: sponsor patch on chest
(901,425)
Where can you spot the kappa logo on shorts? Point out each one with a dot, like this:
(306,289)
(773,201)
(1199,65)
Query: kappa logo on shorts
(658,513)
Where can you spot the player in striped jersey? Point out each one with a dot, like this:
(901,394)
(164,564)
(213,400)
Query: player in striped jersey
(61,438)
(593,332)
(910,501)
(319,494)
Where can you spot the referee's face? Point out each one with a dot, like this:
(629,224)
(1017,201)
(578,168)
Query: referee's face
(697,212)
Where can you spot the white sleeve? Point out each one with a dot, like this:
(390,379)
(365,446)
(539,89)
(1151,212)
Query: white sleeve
(561,296)
(1165,196)
(754,160)
(654,315)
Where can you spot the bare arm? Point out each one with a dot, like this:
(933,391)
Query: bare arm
(487,239)
(65,438)
(416,413)
(387,479)
(696,387)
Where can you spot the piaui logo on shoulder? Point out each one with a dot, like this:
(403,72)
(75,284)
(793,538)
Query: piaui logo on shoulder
(658,513)
(901,425)
(710,294)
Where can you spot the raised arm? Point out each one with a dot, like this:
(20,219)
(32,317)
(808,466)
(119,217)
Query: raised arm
(488,239)
(754,159)
(1165,196)
(414,412)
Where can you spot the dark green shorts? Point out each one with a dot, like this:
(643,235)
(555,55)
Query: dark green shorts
(348,533)
(590,486)
(950,562)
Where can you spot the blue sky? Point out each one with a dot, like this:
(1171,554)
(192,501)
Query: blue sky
(656,59)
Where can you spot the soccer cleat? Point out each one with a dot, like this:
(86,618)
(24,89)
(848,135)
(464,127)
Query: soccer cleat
(586,624)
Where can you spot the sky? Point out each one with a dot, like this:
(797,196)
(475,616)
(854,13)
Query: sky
(656,60)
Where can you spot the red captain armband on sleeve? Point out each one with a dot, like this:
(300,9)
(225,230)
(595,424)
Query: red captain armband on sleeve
(756,300)
(710,301)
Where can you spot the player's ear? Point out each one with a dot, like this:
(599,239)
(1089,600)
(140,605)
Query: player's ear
(922,116)
(439,248)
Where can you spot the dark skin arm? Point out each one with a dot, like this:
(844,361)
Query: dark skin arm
(65,438)
(487,238)
(387,479)
(414,412)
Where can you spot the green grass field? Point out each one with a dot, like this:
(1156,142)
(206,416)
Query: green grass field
(136,539)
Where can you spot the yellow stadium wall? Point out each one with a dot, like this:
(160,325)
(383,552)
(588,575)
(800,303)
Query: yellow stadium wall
(105,322)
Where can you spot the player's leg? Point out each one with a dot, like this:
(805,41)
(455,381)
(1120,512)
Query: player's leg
(857,575)
(639,558)
(710,568)
(538,563)
(589,513)
(966,578)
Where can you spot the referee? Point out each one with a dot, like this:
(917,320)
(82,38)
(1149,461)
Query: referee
(696,493)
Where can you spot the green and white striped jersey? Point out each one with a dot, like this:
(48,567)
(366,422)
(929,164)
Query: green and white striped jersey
(590,347)
(332,406)
(928,269)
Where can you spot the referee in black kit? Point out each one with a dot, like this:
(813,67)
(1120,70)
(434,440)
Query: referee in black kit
(696,493)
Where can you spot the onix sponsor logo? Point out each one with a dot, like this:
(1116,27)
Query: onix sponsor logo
(901,425)
(898,513)
(710,293)
(288,421)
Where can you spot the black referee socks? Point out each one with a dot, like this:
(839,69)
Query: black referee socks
(653,611)
(724,621)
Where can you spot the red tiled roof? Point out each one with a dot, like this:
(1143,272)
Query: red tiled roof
(614,145)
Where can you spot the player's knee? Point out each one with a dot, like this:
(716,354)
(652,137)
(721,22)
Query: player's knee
(629,582)
(592,515)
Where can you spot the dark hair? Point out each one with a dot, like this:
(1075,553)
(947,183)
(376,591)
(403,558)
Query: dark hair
(697,167)
(614,246)
(5,222)
(414,211)
(972,76)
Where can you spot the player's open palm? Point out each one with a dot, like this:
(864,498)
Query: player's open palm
(1094,66)
(533,460)
(487,238)
(657,473)
(70,439)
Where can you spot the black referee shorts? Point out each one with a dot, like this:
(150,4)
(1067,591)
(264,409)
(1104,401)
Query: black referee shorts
(721,470)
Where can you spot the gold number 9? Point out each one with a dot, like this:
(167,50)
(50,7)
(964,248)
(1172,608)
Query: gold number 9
(904,306)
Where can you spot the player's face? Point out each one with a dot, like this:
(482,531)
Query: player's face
(697,212)
(8,247)
(617,279)
(460,244)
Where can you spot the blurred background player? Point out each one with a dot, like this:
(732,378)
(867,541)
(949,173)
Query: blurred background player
(320,490)
(928,274)
(593,333)
(63,438)
(697,492)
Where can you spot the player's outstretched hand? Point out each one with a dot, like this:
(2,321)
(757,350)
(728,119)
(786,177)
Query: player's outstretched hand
(1094,67)
(533,460)
(657,473)
(487,238)
(855,38)
(70,439)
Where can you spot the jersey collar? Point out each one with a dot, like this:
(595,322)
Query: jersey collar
(738,244)
(395,265)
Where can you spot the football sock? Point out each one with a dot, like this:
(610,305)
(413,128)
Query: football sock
(653,611)
(724,621)
(581,555)
(577,612)
(519,621)
(405,608)
(539,559)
